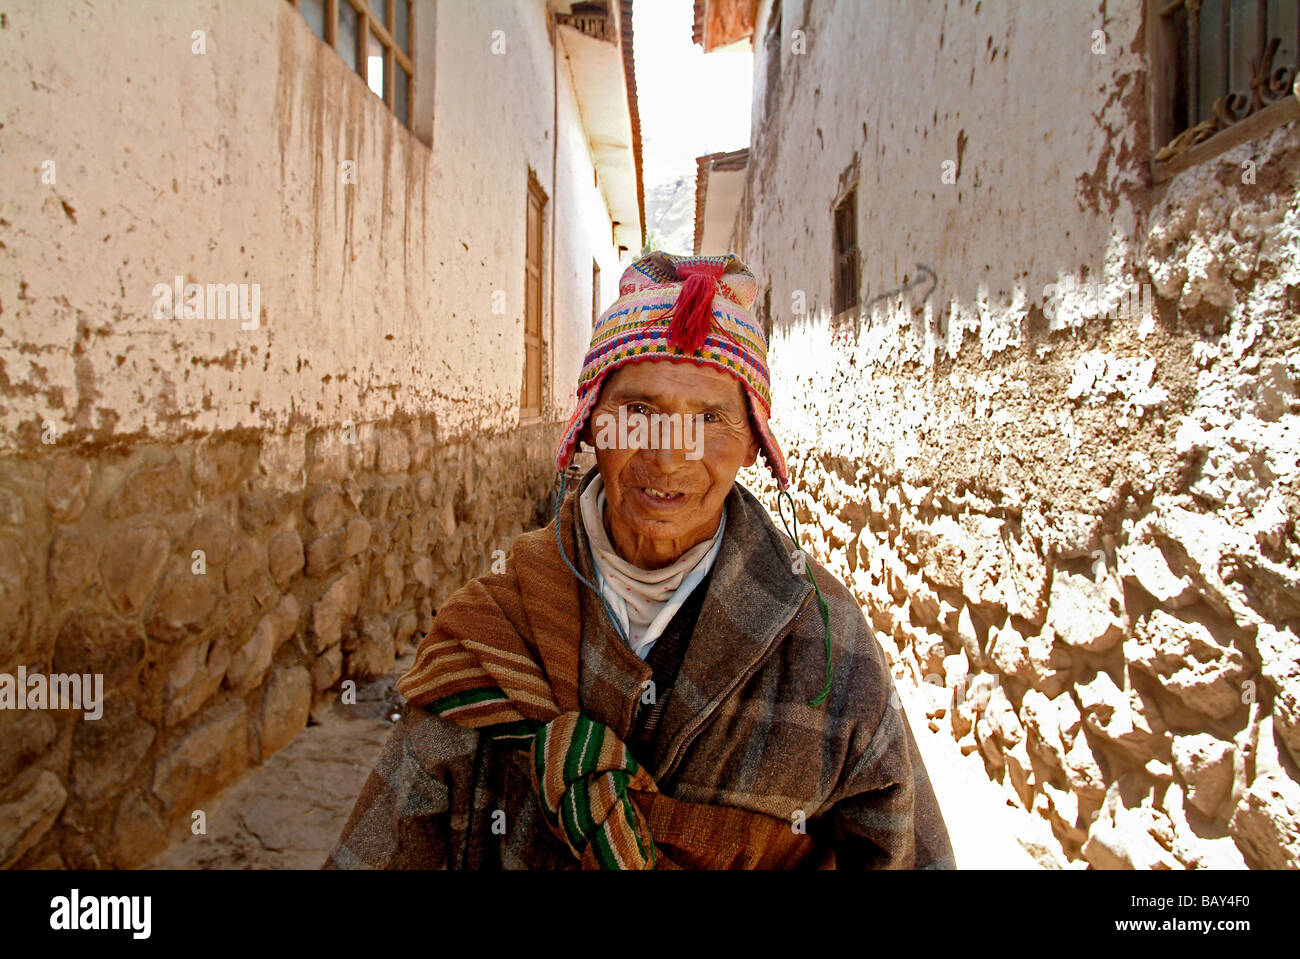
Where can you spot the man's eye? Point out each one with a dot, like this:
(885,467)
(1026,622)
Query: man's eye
(710,417)
(635,407)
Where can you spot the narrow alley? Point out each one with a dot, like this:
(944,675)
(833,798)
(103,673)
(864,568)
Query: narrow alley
(307,305)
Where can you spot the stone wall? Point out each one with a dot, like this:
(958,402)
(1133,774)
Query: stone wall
(223,588)
(226,516)
(1070,518)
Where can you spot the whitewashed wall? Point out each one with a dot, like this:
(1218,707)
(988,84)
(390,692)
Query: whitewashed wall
(1093,515)
(225,167)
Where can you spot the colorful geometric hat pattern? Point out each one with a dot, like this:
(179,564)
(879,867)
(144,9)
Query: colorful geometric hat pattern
(682,308)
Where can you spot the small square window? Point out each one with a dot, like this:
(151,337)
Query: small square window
(349,33)
(313,11)
(375,65)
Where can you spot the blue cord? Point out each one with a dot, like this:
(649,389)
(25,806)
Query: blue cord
(558,497)
(782,497)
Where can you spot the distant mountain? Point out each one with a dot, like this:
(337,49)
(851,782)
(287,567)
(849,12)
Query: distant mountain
(670,214)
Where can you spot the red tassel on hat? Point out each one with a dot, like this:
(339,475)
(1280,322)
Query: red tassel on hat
(693,312)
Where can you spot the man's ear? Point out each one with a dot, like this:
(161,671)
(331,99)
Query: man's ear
(751,456)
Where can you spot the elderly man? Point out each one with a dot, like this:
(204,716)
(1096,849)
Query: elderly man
(659,678)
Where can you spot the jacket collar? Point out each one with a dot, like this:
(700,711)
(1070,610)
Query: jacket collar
(752,597)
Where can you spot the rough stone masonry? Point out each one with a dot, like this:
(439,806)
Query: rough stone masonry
(227,513)
(1081,541)
(1072,519)
(224,589)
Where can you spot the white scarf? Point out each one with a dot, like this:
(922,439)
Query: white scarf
(644,600)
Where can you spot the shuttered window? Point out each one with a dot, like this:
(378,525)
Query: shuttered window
(846,253)
(530,397)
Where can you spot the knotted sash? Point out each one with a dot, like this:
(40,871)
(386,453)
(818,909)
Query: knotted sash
(502,658)
(583,773)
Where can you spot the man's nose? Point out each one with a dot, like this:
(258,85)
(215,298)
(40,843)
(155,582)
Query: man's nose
(668,454)
(666,459)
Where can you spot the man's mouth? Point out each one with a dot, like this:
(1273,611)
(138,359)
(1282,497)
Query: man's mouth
(659,496)
(659,493)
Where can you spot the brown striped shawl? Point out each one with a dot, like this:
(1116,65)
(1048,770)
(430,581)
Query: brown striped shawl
(737,731)
(503,658)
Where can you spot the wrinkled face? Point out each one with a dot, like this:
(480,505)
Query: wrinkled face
(662,501)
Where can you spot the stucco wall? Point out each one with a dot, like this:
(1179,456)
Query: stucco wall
(226,167)
(1087,519)
(584,213)
(225,522)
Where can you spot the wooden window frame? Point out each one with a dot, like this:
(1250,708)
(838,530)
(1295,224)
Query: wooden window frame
(534,192)
(845,300)
(774,49)
(394,56)
(1162,40)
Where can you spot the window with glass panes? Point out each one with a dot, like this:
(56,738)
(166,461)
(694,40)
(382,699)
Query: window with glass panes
(374,38)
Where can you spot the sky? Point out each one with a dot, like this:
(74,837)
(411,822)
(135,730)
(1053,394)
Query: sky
(690,104)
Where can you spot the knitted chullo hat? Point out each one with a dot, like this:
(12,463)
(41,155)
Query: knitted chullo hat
(682,308)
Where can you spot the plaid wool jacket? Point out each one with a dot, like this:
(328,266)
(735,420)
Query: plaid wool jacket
(736,730)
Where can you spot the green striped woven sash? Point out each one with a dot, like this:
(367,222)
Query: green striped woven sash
(583,773)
